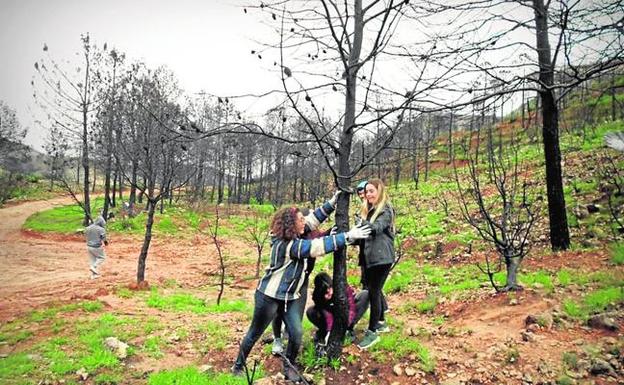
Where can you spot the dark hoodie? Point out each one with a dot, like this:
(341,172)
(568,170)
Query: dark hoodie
(322,282)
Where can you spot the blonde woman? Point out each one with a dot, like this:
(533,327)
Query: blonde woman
(378,254)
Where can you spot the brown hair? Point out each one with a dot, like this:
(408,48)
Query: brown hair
(283,223)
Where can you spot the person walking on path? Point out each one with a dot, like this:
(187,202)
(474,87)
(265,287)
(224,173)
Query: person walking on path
(322,313)
(96,239)
(280,288)
(377,213)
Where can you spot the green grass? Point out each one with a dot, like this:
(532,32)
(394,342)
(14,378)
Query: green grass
(617,253)
(191,376)
(27,187)
(64,219)
(594,302)
(185,302)
(152,324)
(427,305)
(394,346)
(177,302)
(16,365)
(570,360)
(234,306)
(217,335)
(538,278)
(401,277)
(176,220)
(152,346)
(124,292)
(108,379)
(60,362)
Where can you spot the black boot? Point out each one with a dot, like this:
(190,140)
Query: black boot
(291,374)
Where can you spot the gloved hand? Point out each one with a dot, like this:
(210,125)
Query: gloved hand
(333,230)
(333,199)
(358,232)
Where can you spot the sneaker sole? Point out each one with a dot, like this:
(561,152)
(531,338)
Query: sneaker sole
(369,345)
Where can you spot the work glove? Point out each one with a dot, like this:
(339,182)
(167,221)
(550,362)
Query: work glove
(333,199)
(333,230)
(358,232)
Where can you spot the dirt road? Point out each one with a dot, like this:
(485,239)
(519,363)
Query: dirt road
(48,268)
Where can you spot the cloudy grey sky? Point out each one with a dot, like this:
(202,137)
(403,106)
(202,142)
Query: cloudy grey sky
(206,43)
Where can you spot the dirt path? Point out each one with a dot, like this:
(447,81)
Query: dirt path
(40,268)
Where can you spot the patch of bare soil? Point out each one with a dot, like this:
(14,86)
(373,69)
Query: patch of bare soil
(483,339)
(42,269)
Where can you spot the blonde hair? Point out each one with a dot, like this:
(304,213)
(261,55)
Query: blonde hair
(383,200)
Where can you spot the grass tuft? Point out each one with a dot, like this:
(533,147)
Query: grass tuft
(617,253)
(192,376)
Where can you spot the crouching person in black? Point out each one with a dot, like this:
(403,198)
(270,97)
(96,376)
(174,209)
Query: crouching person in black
(322,313)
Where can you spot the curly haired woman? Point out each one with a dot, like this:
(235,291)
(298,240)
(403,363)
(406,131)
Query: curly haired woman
(280,287)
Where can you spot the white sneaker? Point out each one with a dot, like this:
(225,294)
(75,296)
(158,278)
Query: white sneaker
(278,347)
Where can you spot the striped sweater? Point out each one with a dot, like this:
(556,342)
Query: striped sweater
(285,276)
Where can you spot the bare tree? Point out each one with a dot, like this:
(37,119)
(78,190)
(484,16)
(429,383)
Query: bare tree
(612,181)
(258,232)
(495,199)
(69,98)
(213,232)
(13,153)
(334,36)
(574,42)
(155,146)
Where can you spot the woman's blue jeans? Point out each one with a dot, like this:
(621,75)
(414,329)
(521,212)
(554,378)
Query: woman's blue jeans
(265,309)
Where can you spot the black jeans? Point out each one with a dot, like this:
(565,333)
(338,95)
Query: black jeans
(376,278)
(316,316)
(278,320)
(265,309)
(364,282)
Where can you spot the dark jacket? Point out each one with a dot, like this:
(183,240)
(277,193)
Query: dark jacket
(328,308)
(379,246)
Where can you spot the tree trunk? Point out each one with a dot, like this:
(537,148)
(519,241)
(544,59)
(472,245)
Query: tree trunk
(109,147)
(559,233)
(133,182)
(94,178)
(85,166)
(114,187)
(613,99)
(147,239)
(450,139)
(512,264)
(334,348)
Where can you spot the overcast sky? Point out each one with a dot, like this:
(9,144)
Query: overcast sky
(206,43)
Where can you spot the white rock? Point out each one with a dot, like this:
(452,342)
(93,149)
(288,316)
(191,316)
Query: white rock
(119,348)
(82,374)
(410,372)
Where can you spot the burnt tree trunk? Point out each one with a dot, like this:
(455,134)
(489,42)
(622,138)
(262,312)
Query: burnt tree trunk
(334,348)
(152,202)
(559,233)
